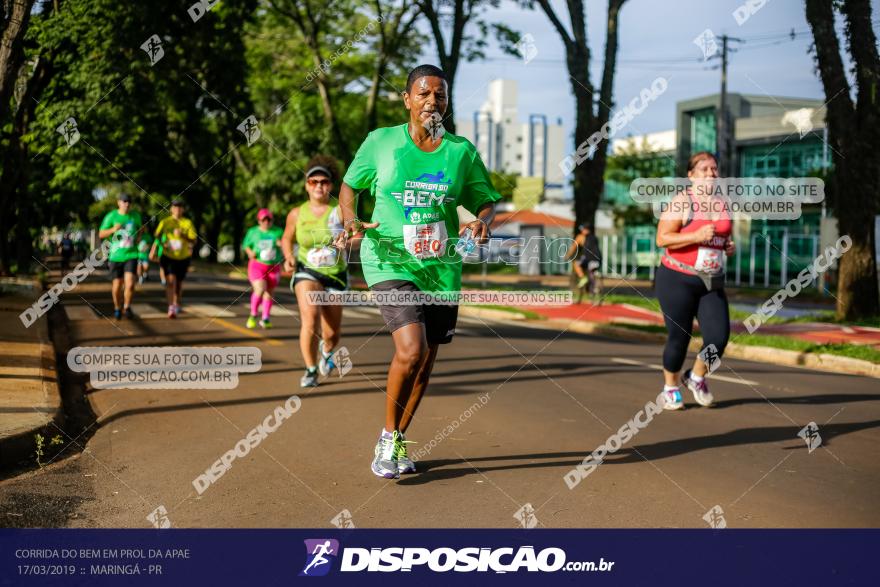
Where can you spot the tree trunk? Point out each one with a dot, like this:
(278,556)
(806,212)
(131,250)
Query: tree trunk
(11,51)
(589,176)
(13,186)
(853,134)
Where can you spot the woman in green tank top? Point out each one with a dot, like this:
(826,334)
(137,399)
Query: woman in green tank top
(317,265)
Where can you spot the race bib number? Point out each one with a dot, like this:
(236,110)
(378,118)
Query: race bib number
(267,252)
(424,241)
(709,260)
(175,244)
(322,256)
(127,240)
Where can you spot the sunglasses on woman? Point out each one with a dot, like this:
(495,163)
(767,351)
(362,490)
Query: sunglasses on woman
(317,182)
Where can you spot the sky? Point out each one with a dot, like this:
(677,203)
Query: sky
(655,39)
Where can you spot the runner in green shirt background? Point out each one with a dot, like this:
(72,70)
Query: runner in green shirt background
(143,268)
(262,245)
(125,227)
(418,175)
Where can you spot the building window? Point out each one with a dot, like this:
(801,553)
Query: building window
(703,130)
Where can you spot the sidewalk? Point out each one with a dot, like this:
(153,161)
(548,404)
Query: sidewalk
(815,332)
(30,399)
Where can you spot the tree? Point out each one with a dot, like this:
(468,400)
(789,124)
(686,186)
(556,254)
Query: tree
(315,21)
(14,18)
(460,44)
(854,134)
(395,24)
(591,113)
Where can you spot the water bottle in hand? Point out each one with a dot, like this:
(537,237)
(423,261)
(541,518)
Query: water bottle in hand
(466,243)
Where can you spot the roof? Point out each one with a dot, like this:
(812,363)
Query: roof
(531,217)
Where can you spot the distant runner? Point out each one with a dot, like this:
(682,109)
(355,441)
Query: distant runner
(176,236)
(125,227)
(419,174)
(587,260)
(143,269)
(317,266)
(65,248)
(262,245)
(690,281)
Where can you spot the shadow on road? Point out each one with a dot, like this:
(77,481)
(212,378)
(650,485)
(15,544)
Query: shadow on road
(436,470)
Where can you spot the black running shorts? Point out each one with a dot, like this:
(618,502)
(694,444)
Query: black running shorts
(119,268)
(439,320)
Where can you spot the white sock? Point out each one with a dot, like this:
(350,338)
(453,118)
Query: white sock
(386,433)
(696,378)
(670,388)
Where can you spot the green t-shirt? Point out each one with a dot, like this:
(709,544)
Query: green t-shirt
(417,195)
(144,247)
(264,243)
(122,243)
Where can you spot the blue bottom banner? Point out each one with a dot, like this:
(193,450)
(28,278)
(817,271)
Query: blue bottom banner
(437,557)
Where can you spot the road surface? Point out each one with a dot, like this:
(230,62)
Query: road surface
(549,399)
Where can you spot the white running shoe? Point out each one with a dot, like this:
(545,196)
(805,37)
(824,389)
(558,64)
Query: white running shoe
(385,456)
(405,465)
(701,392)
(326,364)
(673,400)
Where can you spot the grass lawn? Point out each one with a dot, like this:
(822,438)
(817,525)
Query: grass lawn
(854,351)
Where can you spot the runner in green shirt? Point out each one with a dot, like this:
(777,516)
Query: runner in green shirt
(418,175)
(143,268)
(124,226)
(262,244)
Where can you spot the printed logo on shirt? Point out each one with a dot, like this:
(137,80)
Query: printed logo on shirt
(424,194)
(434,177)
(417,217)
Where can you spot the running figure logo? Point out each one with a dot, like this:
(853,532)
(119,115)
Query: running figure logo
(710,356)
(250,128)
(439,177)
(153,49)
(69,131)
(810,434)
(317,552)
(526,516)
(707,44)
(715,518)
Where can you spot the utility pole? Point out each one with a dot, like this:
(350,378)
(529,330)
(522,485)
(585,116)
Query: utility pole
(722,120)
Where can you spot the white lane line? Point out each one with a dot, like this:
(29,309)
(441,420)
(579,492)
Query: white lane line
(276,310)
(147,311)
(209,310)
(660,368)
(79,312)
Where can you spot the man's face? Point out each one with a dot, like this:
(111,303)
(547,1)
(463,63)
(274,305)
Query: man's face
(177,210)
(124,206)
(428,94)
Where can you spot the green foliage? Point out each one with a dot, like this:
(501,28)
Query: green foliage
(632,162)
(504,183)
(39,445)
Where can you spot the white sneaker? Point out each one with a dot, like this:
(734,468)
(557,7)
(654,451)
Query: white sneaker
(405,465)
(701,392)
(326,363)
(673,400)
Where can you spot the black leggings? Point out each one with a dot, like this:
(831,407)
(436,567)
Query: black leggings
(683,297)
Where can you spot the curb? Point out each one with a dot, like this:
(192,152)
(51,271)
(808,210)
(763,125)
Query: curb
(19,447)
(758,354)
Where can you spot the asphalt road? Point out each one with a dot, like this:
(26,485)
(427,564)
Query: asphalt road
(550,399)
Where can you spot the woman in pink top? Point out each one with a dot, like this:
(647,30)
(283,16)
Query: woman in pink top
(689,283)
